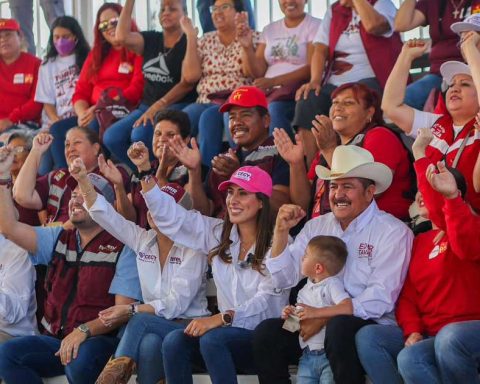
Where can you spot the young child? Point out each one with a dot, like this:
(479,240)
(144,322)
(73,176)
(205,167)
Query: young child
(323,296)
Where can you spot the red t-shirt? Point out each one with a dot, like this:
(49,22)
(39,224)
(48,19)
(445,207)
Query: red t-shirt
(18,82)
(444,40)
(114,72)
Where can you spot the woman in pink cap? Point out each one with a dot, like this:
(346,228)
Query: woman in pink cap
(237,249)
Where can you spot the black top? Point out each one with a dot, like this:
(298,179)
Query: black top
(162,67)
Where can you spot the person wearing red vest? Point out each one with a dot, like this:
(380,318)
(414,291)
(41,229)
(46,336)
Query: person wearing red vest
(89,271)
(456,141)
(346,49)
(18,79)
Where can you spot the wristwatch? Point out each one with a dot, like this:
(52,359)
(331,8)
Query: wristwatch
(84,328)
(227,319)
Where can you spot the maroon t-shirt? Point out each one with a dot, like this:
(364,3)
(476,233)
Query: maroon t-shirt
(444,40)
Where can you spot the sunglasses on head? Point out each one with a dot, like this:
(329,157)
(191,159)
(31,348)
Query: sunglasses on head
(107,24)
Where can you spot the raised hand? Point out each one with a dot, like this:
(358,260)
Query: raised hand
(189,157)
(305,89)
(414,48)
(290,152)
(188,28)
(244,34)
(110,170)
(6,161)
(469,42)
(442,181)
(289,215)
(423,139)
(325,135)
(226,163)
(138,154)
(77,169)
(42,142)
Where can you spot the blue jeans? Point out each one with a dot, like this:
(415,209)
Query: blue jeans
(142,341)
(417,92)
(203,9)
(281,115)
(208,123)
(59,131)
(314,368)
(223,350)
(29,358)
(377,348)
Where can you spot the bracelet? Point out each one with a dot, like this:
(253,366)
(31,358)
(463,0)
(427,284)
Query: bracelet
(142,174)
(6,182)
(133,309)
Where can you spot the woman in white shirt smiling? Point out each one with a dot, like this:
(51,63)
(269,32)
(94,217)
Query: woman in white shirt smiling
(172,279)
(236,248)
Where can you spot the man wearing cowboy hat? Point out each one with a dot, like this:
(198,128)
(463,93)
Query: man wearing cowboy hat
(379,247)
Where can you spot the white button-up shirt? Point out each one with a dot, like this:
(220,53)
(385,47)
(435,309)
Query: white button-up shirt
(177,291)
(328,292)
(379,247)
(249,293)
(17,291)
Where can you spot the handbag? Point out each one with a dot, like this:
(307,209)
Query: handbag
(111,107)
(285,92)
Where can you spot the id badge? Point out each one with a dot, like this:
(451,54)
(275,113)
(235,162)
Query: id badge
(19,78)
(125,68)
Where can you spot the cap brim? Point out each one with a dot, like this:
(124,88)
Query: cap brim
(450,69)
(462,26)
(380,174)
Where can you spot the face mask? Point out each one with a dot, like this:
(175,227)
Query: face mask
(65,46)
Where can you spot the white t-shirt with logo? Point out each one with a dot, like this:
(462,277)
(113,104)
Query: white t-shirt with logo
(351,60)
(56,84)
(286,48)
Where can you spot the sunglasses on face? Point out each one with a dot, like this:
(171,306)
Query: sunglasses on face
(108,24)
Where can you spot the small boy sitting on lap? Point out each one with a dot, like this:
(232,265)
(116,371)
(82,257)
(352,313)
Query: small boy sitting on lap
(323,296)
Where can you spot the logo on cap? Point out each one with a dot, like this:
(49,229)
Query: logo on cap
(237,95)
(247,176)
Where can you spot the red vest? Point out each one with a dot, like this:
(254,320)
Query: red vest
(382,52)
(58,183)
(445,147)
(77,283)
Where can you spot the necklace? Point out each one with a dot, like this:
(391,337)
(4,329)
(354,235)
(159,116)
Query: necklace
(456,6)
(166,51)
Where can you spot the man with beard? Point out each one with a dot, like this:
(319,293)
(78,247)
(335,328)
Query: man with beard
(89,270)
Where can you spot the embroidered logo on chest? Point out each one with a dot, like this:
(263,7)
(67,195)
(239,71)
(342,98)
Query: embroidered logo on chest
(365,251)
(146,258)
(437,250)
(175,260)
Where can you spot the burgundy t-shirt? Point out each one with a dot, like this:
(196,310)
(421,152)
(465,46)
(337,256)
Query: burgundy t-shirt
(444,40)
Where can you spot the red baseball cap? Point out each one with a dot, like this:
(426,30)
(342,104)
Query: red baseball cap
(251,179)
(9,25)
(247,97)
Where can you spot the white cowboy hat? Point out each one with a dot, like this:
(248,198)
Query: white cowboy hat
(354,161)
(450,69)
(470,23)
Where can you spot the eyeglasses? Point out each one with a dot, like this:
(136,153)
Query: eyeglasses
(108,24)
(220,8)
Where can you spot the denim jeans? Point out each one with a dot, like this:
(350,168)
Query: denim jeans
(377,348)
(281,115)
(29,358)
(203,9)
(223,350)
(59,131)
(417,92)
(142,341)
(208,123)
(22,11)
(314,368)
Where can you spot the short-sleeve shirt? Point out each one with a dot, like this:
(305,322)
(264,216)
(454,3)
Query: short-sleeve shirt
(125,282)
(221,65)
(286,48)
(444,40)
(162,67)
(56,84)
(351,61)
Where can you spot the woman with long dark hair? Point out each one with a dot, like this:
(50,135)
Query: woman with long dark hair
(66,52)
(107,65)
(236,248)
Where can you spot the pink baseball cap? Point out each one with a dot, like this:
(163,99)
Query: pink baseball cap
(247,97)
(252,179)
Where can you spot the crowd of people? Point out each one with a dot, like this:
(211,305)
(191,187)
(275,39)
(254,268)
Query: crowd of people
(278,165)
